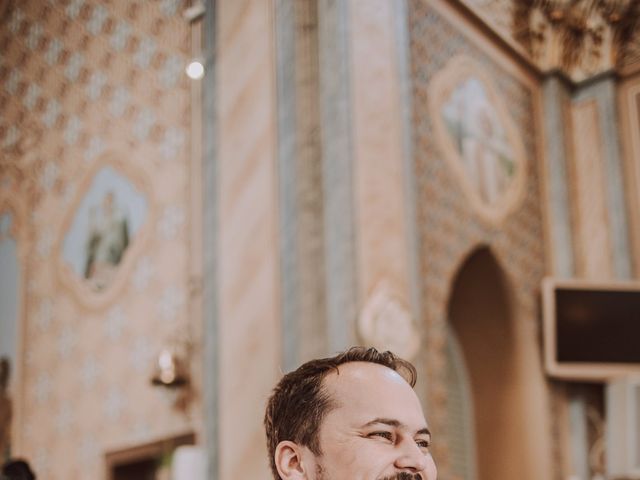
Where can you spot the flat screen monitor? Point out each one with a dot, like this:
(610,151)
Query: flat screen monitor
(591,330)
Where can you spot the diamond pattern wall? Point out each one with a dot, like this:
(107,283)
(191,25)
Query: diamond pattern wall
(449,228)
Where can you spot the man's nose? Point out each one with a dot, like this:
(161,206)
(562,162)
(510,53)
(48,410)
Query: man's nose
(410,457)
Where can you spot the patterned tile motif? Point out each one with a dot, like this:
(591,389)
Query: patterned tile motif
(499,13)
(449,230)
(80,78)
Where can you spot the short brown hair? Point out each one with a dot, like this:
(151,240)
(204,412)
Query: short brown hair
(299,402)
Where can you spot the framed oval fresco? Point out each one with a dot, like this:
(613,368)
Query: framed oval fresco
(478,138)
(105,229)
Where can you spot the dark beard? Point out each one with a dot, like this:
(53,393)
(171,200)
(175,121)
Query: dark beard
(404,476)
(399,476)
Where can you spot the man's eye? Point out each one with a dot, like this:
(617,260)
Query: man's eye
(423,443)
(385,435)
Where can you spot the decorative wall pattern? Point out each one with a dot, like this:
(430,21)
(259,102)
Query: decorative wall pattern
(450,229)
(497,13)
(81,82)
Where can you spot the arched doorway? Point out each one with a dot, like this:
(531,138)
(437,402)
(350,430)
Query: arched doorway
(482,333)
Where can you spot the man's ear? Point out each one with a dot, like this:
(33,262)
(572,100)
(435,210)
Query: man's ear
(288,458)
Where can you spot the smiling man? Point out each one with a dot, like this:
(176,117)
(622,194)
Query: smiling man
(354,416)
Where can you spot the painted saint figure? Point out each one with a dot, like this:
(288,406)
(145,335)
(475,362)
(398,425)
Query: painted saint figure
(487,158)
(480,140)
(107,241)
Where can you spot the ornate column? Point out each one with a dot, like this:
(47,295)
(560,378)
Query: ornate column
(336,144)
(248,273)
(386,277)
(300,182)
(210,228)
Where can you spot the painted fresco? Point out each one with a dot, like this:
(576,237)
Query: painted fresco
(105,224)
(476,135)
(480,140)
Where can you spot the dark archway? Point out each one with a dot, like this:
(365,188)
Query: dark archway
(481,323)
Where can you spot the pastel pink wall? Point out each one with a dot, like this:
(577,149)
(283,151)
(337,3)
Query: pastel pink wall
(83,81)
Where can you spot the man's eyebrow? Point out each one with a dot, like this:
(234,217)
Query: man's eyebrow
(386,421)
(397,424)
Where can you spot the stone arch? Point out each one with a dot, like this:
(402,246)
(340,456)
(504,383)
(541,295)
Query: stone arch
(481,321)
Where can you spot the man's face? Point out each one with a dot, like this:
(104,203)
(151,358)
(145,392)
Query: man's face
(376,431)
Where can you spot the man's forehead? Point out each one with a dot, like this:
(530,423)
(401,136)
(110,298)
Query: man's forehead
(365,373)
(366,390)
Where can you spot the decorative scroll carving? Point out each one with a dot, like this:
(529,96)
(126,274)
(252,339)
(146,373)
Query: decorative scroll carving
(385,323)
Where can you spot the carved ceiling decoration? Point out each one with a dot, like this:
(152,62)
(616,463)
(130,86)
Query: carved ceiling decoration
(630,61)
(582,38)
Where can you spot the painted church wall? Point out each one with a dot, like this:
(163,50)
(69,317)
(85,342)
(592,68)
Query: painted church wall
(596,182)
(477,163)
(629,108)
(378,149)
(95,121)
(589,185)
(381,184)
(248,276)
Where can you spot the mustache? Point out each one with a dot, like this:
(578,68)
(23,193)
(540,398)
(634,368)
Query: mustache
(404,476)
